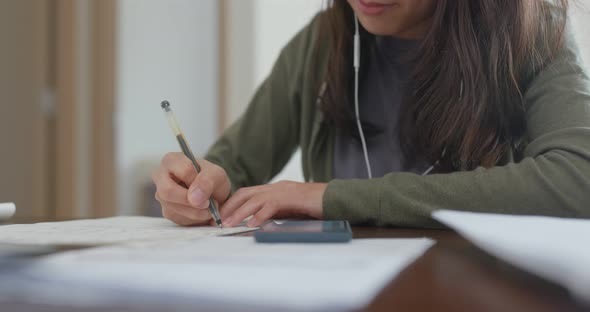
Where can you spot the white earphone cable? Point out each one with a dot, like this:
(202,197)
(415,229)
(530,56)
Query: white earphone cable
(356,64)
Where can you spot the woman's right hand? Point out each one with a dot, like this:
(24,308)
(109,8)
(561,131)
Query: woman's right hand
(184,194)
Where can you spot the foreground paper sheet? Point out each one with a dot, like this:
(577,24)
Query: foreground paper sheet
(106,231)
(225,272)
(557,249)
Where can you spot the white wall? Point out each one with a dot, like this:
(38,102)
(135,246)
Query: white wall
(275,23)
(581,23)
(238,84)
(167,49)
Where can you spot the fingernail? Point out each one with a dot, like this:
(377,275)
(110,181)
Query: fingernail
(251,222)
(197,197)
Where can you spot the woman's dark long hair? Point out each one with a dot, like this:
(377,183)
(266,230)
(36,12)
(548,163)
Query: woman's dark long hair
(471,70)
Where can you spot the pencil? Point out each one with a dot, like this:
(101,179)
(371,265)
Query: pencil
(186,150)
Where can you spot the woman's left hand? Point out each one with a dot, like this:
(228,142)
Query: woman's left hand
(285,199)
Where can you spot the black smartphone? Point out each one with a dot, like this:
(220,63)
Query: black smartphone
(304,232)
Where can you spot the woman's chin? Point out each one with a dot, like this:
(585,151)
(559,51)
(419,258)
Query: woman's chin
(380,28)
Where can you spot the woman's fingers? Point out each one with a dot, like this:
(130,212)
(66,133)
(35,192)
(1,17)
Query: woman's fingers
(281,199)
(179,216)
(250,207)
(184,194)
(174,168)
(212,181)
(185,215)
(237,200)
(167,189)
(268,211)
(180,167)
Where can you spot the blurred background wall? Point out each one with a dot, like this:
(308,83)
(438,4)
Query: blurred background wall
(81,81)
(166,50)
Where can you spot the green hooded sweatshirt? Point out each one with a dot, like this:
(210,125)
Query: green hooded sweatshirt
(551,176)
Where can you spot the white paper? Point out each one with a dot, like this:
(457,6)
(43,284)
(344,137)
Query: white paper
(237,271)
(557,249)
(107,231)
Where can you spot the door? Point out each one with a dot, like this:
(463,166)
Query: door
(57,78)
(25,106)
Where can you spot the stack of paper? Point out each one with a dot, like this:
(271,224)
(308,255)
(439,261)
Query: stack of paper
(557,249)
(237,272)
(157,261)
(106,231)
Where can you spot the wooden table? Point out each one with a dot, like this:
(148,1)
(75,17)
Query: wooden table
(453,275)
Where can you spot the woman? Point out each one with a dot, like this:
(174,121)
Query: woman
(474,105)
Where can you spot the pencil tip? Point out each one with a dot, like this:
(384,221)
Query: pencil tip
(165,104)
